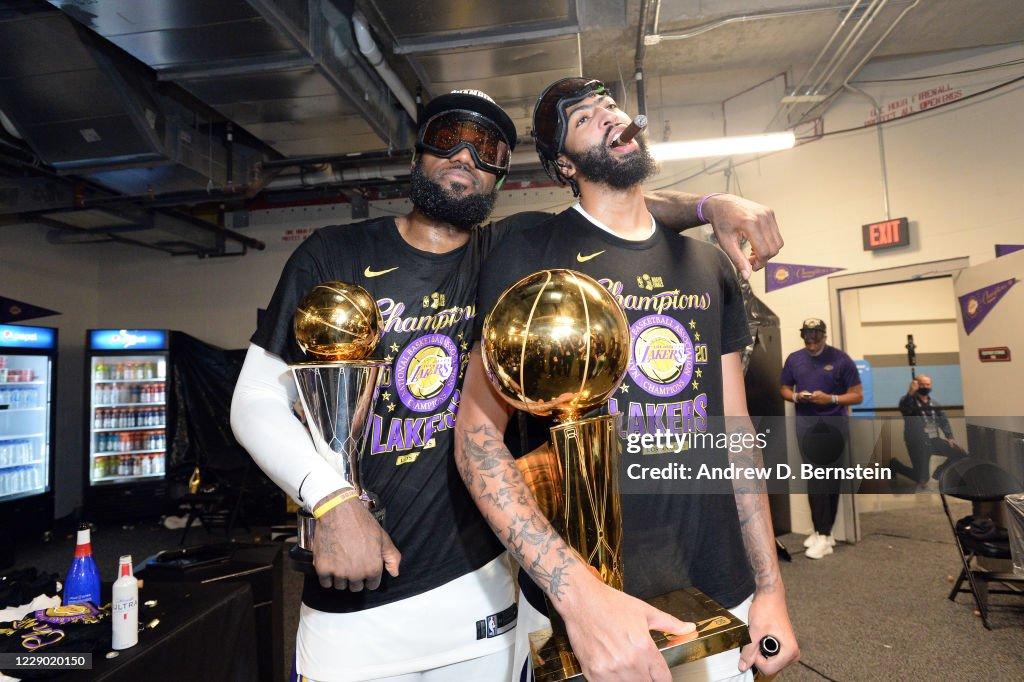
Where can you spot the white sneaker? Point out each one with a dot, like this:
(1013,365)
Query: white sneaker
(831,540)
(820,549)
(811,539)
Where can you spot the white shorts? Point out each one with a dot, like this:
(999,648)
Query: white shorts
(718,668)
(424,632)
(496,667)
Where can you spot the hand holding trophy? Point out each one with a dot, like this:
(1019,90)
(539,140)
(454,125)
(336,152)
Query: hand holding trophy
(338,325)
(558,343)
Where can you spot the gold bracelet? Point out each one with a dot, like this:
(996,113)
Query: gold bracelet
(334,502)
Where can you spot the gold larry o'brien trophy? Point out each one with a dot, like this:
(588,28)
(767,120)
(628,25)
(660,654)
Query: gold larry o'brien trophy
(558,343)
(339,325)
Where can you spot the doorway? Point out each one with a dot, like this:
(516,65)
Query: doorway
(873,314)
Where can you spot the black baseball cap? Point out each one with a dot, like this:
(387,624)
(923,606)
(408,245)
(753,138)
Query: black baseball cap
(477,102)
(813,324)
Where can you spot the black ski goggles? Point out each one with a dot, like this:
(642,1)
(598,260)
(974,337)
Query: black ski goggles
(550,119)
(449,132)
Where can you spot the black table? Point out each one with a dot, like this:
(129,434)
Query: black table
(206,632)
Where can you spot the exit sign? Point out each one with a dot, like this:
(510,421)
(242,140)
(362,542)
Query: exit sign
(886,234)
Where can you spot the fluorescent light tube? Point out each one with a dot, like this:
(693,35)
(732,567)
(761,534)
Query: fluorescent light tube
(723,146)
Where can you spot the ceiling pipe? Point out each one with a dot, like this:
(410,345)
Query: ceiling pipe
(368,48)
(641,52)
(800,91)
(328,175)
(334,175)
(845,85)
(849,43)
(86,236)
(874,48)
(848,11)
(224,232)
(340,37)
(881,149)
(700,29)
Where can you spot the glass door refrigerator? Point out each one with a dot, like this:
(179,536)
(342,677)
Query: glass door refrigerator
(28,359)
(127,419)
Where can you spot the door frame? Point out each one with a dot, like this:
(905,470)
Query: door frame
(949,267)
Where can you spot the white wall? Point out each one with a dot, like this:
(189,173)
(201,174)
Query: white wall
(64,279)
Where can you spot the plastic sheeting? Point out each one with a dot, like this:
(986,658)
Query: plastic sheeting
(204,379)
(1015,525)
(759,315)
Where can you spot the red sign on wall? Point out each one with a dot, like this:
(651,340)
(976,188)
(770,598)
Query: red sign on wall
(886,234)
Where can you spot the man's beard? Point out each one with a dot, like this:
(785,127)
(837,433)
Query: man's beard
(435,201)
(597,165)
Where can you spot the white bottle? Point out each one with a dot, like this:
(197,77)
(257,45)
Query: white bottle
(124,611)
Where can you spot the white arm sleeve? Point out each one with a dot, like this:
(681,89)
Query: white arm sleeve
(263,422)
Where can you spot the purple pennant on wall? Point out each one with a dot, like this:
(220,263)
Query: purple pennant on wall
(781,275)
(17,311)
(975,305)
(1003,249)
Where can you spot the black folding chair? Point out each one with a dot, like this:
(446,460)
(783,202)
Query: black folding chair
(976,536)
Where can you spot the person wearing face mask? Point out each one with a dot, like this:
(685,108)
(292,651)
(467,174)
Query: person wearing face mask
(823,382)
(927,432)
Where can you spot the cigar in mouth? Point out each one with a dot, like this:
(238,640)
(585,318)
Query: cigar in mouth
(631,131)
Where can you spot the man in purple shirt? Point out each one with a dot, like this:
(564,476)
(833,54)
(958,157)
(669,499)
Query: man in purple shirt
(823,382)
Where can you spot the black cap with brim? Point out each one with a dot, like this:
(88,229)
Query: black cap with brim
(480,105)
(813,324)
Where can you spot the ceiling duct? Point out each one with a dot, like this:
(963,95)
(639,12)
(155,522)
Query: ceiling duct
(510,50)
(288,71)
(85,109)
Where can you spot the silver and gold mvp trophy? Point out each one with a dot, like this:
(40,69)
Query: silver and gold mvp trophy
(558,343)
(338,325)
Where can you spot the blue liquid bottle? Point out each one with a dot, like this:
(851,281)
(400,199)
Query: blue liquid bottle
(83,580)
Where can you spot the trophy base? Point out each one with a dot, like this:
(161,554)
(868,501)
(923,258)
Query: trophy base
(717,631)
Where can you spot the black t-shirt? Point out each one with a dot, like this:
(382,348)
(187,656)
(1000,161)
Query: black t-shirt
(428,302)
(682,295)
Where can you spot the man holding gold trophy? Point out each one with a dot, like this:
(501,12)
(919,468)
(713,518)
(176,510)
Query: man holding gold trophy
(420,590)
(686,326)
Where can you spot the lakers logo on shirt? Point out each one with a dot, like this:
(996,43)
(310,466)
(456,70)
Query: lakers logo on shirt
(426,372)
(663,355)
(429,369)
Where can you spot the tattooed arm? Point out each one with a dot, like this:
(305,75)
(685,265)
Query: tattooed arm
(768,612)
(608,629)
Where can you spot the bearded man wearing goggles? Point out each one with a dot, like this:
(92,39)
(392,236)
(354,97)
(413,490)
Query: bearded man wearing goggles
(428,596)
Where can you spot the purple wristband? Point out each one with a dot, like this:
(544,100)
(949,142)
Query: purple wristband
(700,205)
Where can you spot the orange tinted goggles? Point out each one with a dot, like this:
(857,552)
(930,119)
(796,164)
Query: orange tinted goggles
(451,131)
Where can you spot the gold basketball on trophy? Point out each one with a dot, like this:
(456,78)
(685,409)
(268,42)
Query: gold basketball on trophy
(338,321)
(556,342)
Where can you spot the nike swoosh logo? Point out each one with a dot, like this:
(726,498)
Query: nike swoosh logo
(583,259)
(370,273)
